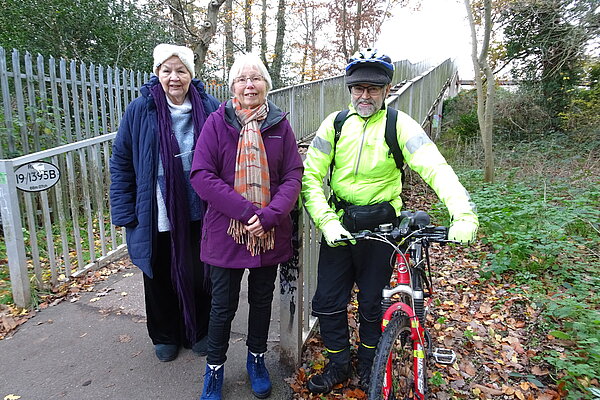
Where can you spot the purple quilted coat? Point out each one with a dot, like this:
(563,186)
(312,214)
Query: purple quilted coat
(212,177)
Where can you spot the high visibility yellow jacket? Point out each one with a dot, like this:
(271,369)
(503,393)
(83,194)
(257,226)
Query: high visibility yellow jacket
(365,172)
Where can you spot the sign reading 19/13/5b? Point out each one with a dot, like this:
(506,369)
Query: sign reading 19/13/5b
(37,176)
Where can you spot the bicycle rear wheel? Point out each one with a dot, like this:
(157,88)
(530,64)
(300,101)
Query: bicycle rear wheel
(395,347)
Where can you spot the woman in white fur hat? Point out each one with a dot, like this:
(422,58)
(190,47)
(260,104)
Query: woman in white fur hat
(152,198)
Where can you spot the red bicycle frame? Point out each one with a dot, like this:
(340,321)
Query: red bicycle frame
(417,335)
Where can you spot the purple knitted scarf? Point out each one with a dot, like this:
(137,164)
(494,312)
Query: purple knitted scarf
(177,204)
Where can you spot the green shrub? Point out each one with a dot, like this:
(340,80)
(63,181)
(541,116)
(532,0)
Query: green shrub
(518,115)
(582,116)
(541,223)
(521,115)
(460,116)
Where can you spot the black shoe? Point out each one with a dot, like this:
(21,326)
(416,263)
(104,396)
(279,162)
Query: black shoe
(331,376)
(363,369)
(201,346)
(166,352)
(364,377)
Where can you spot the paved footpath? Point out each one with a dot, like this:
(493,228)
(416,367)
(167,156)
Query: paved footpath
(88,350)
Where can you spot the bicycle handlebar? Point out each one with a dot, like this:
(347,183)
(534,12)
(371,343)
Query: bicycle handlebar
(432,233)
(414,225)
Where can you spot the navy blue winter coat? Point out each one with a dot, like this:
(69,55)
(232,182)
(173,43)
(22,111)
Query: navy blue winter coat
(134,169)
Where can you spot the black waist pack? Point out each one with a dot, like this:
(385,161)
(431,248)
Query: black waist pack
(360,218)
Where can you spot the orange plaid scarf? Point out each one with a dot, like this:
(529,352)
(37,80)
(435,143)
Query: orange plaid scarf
(251,176)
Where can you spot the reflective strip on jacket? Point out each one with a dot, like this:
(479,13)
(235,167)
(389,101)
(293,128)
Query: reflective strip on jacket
(365,172)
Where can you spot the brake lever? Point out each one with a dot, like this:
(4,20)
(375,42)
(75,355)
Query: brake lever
(362,235)
(358,236)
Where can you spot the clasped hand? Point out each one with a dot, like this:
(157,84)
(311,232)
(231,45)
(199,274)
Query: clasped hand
(255,227)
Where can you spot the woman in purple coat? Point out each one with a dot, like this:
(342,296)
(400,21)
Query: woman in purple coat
(247,168)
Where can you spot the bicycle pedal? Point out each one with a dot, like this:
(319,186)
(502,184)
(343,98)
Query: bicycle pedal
(444,356)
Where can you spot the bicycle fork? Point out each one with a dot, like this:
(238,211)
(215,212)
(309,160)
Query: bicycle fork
(417,336)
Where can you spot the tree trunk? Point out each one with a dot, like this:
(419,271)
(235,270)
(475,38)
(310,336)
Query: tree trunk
(357,25)
(228,23)
(306,42)
(178,16)
(248,24)
(278,50)
(263,34)
(207,32)
(313,44)
(343,29)
(485,100)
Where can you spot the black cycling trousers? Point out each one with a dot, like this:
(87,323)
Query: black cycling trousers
(367,264)
(226,284)
(164,317)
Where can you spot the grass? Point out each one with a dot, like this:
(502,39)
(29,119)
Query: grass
(540,221)
(5,290)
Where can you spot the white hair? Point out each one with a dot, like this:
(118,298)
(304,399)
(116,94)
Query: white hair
(251,60)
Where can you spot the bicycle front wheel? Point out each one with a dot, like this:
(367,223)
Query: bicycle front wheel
(393,374)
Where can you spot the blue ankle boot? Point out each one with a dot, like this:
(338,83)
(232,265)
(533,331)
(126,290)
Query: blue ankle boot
(213,383)
(259,376)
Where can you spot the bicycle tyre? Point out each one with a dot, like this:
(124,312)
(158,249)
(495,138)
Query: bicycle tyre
(395,343)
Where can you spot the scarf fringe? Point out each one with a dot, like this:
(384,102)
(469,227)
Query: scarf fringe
(255,245)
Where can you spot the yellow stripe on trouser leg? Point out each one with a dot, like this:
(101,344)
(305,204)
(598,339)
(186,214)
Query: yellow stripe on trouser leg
(334,351)
(367,346)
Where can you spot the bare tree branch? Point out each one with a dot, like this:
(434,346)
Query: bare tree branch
(206,32)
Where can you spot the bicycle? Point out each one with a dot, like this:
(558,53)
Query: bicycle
(400,363)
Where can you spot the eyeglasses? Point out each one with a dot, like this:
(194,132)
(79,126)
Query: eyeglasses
(242,80)
(372,90)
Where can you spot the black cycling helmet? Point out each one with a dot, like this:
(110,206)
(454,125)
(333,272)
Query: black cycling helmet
(367,66)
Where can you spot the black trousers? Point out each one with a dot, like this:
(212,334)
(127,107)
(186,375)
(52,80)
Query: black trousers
(226,284)
(368,265)
(164,317)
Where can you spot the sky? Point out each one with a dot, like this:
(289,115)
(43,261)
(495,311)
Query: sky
(438,30)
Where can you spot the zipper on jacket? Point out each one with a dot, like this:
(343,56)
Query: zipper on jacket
(362,142)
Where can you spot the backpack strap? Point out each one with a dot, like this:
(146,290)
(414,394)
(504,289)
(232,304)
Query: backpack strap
(391,137)
(338,123)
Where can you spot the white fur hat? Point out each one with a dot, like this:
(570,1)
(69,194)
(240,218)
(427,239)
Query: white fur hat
(164,51)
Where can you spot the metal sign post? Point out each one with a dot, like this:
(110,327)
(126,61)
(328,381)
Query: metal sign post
(13,234)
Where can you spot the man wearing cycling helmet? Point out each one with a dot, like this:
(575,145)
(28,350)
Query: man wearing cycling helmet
(365,174)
